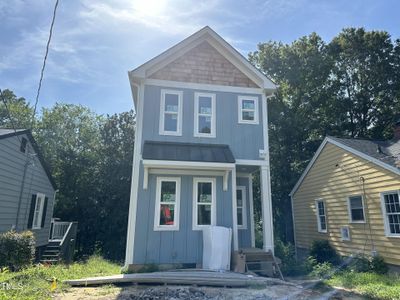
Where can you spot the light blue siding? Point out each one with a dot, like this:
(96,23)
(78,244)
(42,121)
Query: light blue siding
(185,245)
(12,163)
(245,140)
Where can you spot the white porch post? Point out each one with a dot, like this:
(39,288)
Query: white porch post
(268,234)
(234,212)
(251,201)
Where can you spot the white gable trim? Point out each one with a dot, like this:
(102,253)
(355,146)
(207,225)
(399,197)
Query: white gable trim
(205,34)
(347,148)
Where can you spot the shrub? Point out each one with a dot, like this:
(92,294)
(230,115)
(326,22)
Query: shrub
(378,265)
(359,263)
(17,249)
(322,270)
(322,251)
(287,254)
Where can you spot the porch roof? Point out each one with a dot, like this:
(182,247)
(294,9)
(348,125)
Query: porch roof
(193,152)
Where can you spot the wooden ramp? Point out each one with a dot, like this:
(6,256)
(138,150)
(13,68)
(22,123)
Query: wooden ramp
(180,277)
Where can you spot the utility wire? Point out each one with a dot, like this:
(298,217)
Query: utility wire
(44,63)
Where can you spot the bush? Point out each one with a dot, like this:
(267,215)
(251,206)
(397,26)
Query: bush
(17,249)
(322,270)
(322,251)
(290,266)
(378,265)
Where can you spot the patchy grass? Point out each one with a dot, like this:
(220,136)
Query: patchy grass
(36,282)
(375,286)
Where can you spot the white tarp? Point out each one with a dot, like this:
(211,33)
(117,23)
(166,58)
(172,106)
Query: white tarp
(217,248)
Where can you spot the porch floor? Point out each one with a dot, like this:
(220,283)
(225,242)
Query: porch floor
(180,277)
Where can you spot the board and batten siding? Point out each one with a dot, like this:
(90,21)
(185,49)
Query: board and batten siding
(244,140)
(12,162)
(244,235)
(334,177)
(184,245)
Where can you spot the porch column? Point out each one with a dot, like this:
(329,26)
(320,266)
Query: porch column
(234,212)
(268,234)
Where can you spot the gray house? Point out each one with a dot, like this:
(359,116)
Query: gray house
(201,134)
(27,189)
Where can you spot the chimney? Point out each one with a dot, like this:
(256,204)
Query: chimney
(396,131)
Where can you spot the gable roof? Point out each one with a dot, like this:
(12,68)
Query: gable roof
(385,154)
(6,133)
(187,152)
(209,35)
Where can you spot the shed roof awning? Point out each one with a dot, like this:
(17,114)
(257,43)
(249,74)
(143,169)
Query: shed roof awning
(189,152)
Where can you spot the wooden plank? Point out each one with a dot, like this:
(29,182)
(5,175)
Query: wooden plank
(208,278)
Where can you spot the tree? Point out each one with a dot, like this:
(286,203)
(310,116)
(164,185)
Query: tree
(19,113)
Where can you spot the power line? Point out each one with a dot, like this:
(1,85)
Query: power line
(44,62)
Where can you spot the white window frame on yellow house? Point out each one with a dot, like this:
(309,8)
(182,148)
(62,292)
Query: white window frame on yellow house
(176,203)
(385,214)
(350,209)
(319,216)
(348,238)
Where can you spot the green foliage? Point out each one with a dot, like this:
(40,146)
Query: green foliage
(322,270)
(287,254)
(17,249)
(374,286)
(322,251)
(362,263)
(20,112)
(35,282)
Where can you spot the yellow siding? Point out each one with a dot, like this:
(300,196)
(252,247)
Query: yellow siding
(334,184)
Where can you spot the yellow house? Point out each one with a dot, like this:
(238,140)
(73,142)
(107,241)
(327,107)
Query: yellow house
(349,195)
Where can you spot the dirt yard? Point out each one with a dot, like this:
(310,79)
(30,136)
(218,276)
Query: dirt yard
(278,291)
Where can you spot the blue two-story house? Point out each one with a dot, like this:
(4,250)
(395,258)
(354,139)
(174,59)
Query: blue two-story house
(201,133)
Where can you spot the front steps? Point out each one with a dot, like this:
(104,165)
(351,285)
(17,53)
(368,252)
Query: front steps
(261,262)
(51,254)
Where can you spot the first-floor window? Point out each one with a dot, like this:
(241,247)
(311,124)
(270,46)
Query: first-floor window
(391,210)
(203,202)
(356,209)
(167,203)
(321,215)
(241,207)
(38,212)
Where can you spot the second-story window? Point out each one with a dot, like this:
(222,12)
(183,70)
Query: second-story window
(248,110)
(204,115)
(171,112)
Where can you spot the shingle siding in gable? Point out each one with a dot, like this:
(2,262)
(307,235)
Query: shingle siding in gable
(12,162)
(204,64)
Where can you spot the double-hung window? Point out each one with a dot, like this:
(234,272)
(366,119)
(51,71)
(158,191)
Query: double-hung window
(248,110)
(204,115)
(171,113)
(391,212)
(241,207)
(321,216)
(167,203)
(204,206)
(356,209)
(38,212)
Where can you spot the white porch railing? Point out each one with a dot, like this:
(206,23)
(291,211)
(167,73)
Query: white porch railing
(59,230)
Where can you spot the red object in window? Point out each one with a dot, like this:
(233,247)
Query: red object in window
(167,215)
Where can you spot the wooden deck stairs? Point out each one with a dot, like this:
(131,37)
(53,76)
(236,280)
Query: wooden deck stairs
(51,254)
(262,263)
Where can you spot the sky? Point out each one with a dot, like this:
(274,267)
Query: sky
(95,43)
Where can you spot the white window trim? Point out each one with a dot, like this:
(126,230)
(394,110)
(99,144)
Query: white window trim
(341,234)
(40,215)
(157,226)
(244,207)
(178,132)
(349,209)
(384,213)
(318,219)
(197,180)
(240,110)
(196,132)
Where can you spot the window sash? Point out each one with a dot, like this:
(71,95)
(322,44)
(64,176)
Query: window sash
(391,210)
(196,204)
(321,216)
(198,114)
(356,209)
(242,110)
(160,204)
(165,111)
(38,212)
(241,210)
